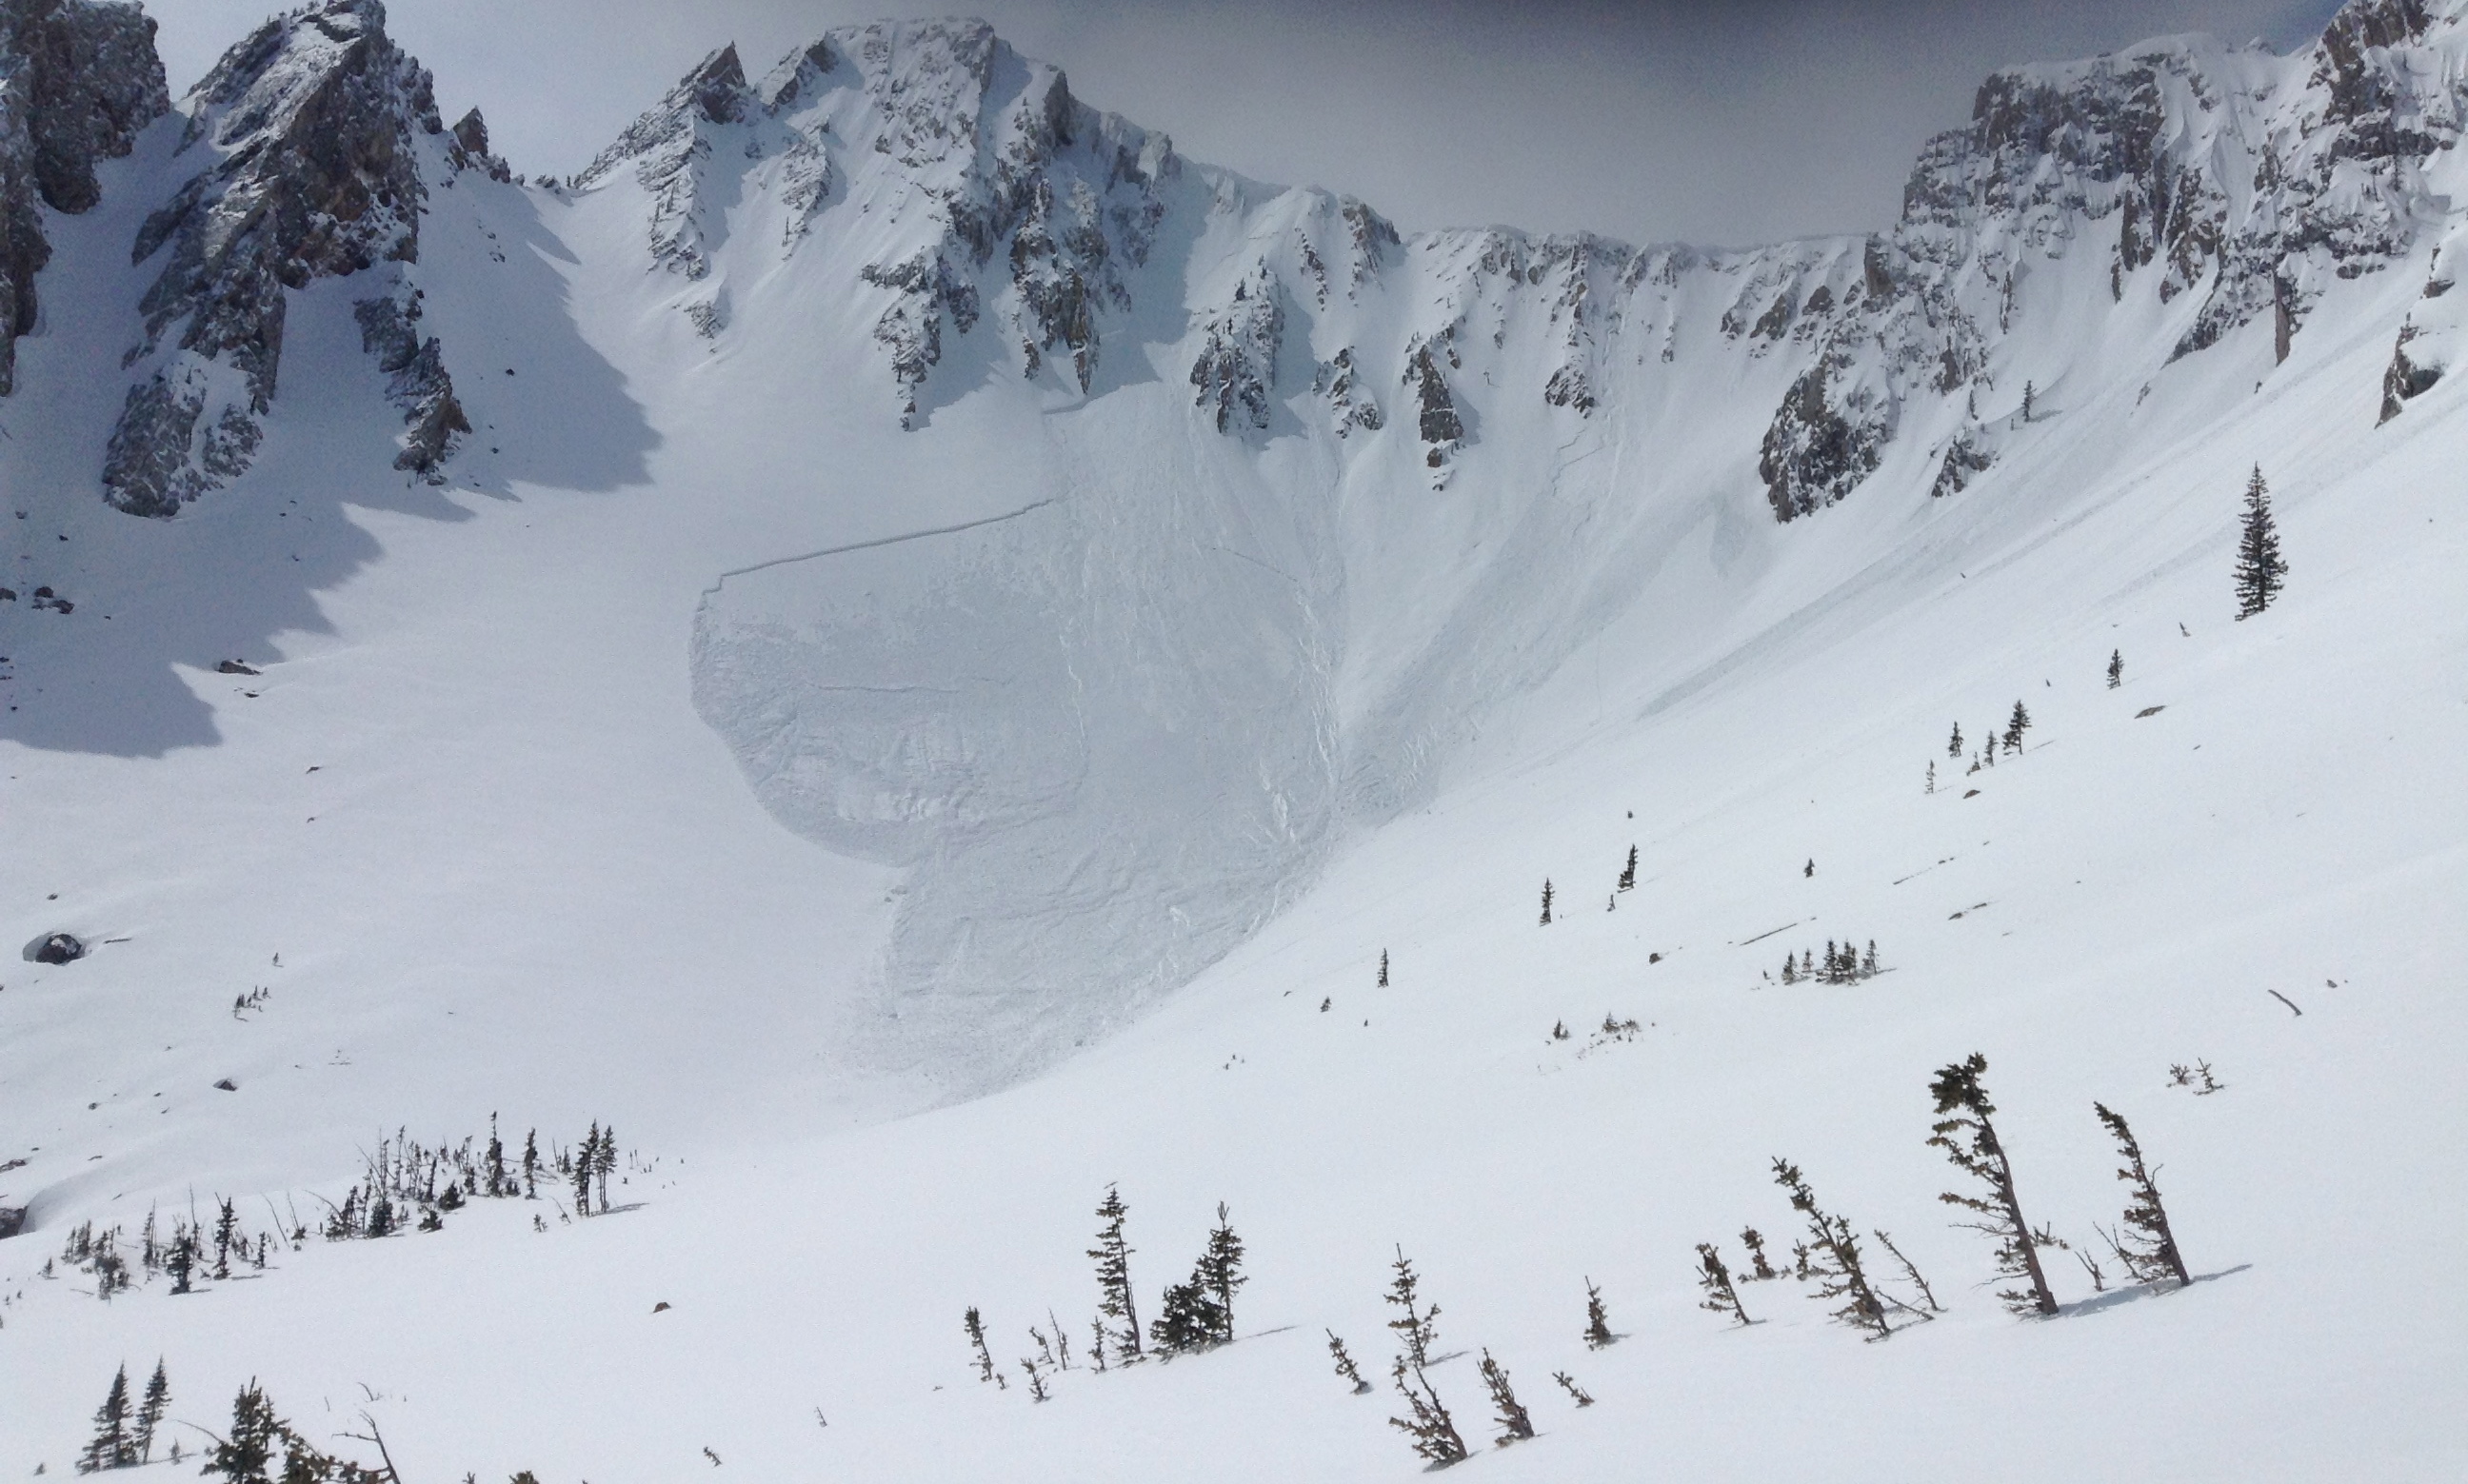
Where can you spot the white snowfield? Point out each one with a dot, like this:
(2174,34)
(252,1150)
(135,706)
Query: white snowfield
(903,832)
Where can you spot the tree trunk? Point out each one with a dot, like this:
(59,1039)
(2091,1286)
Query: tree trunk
(2047,1301)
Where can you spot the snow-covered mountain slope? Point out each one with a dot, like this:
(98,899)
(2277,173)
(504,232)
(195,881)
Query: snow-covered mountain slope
(929,571)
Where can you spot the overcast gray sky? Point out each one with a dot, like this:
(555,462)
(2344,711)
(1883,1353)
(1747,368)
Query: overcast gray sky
(1650,120)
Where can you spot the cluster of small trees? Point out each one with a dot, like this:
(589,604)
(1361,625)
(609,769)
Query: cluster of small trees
(1627,882)
(1842,964)
(405,1185)
(1829,1256)
(1194,1314)
(189,1254)
(124,1435)
(1428,1424)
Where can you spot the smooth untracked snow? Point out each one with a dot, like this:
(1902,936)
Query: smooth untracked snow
(654,772)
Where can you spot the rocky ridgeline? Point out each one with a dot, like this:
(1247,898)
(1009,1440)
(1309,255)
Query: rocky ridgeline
(964,189)
(310,139)
(79,78)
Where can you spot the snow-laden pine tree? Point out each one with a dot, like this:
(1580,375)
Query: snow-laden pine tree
(1113,1255)
(2145,1243)
(2260,570)
(1970,1141)
(2015,726)
(1832,1258)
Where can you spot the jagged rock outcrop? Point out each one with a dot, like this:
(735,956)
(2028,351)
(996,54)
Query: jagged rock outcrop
(1237,369)
(670,148)
(305,133)
(78,80)
(415,378)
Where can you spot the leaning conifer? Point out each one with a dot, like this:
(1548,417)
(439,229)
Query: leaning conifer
(1721,1297)
(1832,1258)
(1113,1255)
(1970,1141)
(1434,1431)
(1345,1367)
(1628,875)
(2146,1245)
(1515,1425)
(2260,570)
(973,1324)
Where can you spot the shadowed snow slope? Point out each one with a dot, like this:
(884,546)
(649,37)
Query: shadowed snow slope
(931,571)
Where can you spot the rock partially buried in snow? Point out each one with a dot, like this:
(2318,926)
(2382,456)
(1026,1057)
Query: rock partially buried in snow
(232,667)
(55,948)
(226,1084)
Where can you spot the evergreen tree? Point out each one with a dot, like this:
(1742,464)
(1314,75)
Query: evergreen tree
(1188,1320)
(1868,965)
(1345,1367)
(182,1260)
(2115,669)
(1970,1141)
(1113,1255)
(1383,969)
(1416,1327)
(1721,1297)
(1761,1269)
(1911,1271)
(1628,876)
(244,1457)
(605,1163)
(2260,571)
(226,1231)
(1833,1259)
(498,1182)
(2015,726)
(2147,1246)
(1546,901)
(1036,1391)
(1221,1272)
(1790,970)
(973,1324)
(1515,1425)
(530,1165)
(1433,1431)
(2029,395)
(1568,1385)
(110,1448)
(149,1412)
(586,1160)
(1932,776)
(1954,748)
(1598,1321)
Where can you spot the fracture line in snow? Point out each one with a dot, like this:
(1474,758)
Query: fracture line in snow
(879,540)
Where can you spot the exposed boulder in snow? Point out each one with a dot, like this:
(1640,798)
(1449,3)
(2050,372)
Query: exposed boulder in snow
(78,80)
(56,947)
(471,152)
(305,133)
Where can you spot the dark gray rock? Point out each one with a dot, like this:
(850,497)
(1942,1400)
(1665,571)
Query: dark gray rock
(56,947)
(314,175)
(79,78)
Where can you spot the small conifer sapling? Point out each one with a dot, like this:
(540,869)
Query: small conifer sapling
(1576,1393)
(2146,1244)
(1714,1276)
(1954,748)
(1832,1258)
(1113,1255)
(1516,1425)
(1383,969)
(1546,901)
(2115,669)
(1627,873)
(973,1324)
(1760,1270)
(1417,1325)
(1969,1140)
(1345,1366)
(1428,1424)
(1598,1324)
